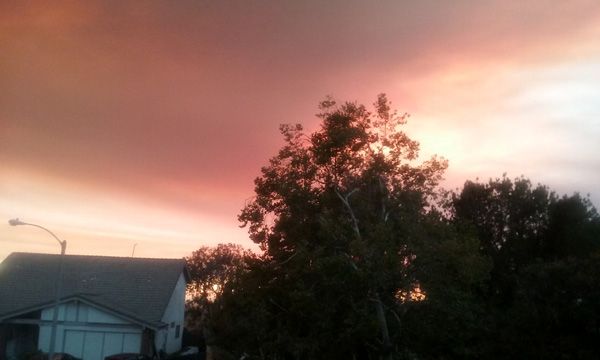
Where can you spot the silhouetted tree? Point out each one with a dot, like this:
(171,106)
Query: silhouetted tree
(364,259)
(545,251)
(211,269)
(510,220)
(340,214)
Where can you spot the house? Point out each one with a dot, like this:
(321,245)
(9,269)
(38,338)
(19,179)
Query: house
(108,305)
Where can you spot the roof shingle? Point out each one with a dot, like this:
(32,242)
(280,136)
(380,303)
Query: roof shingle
(136,287)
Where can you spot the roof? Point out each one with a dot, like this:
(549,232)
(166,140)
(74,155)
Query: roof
(136,288)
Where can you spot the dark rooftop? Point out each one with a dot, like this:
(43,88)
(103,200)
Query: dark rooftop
(139,288)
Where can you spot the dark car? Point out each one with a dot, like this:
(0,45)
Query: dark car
(64,356)
(56,356)
(127,356)
(188,353)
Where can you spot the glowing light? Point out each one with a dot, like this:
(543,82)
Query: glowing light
(414,295)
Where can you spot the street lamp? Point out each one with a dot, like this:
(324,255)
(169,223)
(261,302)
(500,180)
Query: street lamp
(58,284)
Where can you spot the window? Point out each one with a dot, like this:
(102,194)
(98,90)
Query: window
(177,330)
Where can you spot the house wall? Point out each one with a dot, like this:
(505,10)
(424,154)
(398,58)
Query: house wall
(91,334)
(168,339)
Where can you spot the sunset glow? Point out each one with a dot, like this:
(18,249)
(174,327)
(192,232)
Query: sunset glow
(146,122)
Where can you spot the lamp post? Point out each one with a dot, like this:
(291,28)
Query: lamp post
(58,283)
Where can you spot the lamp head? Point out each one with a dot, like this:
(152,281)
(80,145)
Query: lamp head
(15,222)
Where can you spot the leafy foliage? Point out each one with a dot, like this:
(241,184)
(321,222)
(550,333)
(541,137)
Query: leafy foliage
(545,252)
(340,214)
(211,269)
(365,258)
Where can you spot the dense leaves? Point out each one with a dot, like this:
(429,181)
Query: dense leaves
(211,269)
(542,295)
(341,215)
(365,258)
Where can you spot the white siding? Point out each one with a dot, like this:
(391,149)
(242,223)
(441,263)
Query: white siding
(167,339)
(93,334)
(107,335)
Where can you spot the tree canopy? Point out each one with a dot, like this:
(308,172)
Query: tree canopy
(541,298)
(340,215)
(365,257)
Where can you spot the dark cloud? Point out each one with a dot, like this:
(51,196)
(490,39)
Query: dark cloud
(115,93)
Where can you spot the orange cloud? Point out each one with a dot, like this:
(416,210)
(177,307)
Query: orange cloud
(175,106)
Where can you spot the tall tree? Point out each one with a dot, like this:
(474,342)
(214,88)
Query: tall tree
(336,213)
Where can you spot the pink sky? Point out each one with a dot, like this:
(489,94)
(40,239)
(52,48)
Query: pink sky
(146,122)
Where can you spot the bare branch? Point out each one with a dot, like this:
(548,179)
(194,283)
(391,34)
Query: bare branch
(288,259)
(346,203)
(277,305)
(396,316)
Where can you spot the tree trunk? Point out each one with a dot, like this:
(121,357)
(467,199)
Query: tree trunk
(385,335)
